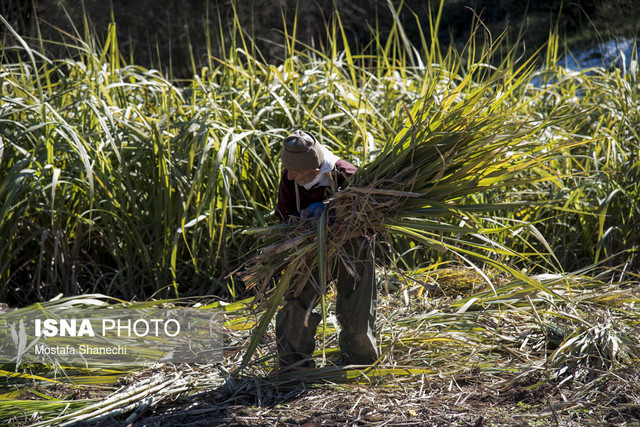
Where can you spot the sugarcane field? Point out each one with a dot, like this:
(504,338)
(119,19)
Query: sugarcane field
(375,213)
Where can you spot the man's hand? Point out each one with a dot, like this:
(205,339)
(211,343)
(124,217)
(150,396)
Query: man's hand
(314,210)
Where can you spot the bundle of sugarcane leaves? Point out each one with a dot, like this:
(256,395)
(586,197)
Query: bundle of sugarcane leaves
(454,144)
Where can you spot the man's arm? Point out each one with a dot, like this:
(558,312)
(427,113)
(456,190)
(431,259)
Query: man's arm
(344,170)
(286,204)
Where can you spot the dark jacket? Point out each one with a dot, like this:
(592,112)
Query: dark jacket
(287,191)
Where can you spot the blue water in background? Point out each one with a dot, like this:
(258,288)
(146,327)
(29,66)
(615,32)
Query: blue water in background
(614,53)
(608,55)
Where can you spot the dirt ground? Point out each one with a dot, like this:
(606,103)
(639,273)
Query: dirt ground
(475,400)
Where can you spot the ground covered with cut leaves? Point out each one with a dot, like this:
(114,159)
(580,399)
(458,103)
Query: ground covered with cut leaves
(473,348)
(475,399)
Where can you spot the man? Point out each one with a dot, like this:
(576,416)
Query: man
(311,175)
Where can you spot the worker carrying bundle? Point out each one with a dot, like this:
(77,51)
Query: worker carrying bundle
(426,184)
(312,174)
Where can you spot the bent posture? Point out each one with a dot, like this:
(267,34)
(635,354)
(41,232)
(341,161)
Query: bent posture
(311,175)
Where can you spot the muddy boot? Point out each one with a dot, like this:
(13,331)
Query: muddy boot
(296,342)
(356,304)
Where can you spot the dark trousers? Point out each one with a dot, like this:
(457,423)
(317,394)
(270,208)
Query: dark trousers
(355,309)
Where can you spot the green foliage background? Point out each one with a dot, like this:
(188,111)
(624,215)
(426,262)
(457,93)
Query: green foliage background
(176,36)
(117,179)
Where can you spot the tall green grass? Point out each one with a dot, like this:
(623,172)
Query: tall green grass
(598,212)
(115,179)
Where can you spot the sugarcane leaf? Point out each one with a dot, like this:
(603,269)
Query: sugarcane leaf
(274,301)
